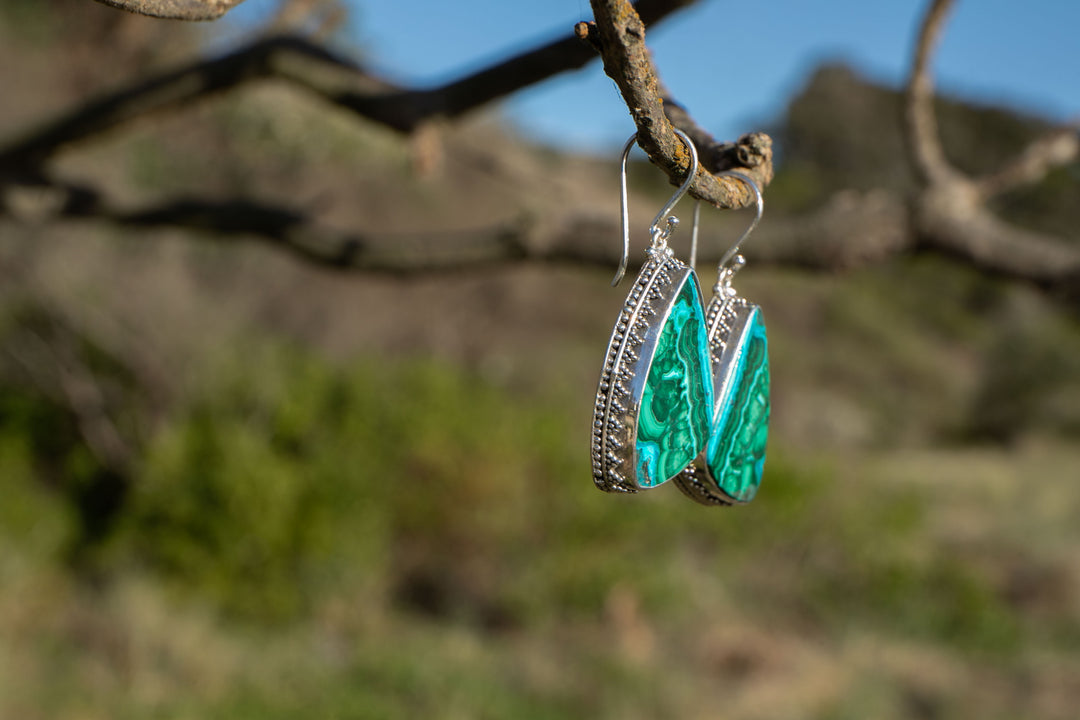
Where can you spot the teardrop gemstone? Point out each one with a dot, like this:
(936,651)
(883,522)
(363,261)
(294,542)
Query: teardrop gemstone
(677,399)
(736,447)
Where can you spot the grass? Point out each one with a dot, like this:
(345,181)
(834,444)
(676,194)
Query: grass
(381,537)
(373,537)
(388,541)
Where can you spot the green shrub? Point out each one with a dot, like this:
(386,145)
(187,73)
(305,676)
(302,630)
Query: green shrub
(291,472)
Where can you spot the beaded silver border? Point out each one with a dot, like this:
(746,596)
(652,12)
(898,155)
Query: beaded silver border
(626,368)
(728,319)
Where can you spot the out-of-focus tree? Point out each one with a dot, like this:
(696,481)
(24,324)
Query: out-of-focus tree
(947,211)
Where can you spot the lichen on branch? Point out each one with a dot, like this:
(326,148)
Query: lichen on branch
(619,34)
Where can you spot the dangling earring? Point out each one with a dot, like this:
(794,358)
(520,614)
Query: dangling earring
(728,470)
(655,396)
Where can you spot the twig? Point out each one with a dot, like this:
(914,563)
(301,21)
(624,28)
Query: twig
(176,9)
(626,60)
(923,140)
(1058,148)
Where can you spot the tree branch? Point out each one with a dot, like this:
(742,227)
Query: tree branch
(949,213)
(168,91)
(574,241)
(923,140)
(851,230)
(176,9)
(315,69)
(986,242)
(621,39)
(1056,149)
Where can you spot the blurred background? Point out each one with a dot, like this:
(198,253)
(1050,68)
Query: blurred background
(234,483)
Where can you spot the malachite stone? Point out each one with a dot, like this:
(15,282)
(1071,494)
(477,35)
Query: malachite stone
(736,449)
(673,424)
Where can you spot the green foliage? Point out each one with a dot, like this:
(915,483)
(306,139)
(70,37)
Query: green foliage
(846,544)
(430,544)
(292,471)
(47,472)
(27,20)
(32,519)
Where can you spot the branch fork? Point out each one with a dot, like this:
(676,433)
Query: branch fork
(619,34)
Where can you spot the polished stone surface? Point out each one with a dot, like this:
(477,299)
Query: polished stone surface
(736,449)
(674,422)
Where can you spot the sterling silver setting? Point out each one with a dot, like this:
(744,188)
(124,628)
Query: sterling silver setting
(633,341)
(626,368)
(728,319)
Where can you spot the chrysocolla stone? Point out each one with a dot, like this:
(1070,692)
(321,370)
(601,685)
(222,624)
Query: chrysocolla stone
(673,424)
(736,449)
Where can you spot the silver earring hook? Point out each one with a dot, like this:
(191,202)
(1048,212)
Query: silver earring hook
(731,262)
(694,232)
(746,233)
(734,249)
(658,234)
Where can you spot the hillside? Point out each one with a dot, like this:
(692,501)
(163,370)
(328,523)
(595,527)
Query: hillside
(238,485)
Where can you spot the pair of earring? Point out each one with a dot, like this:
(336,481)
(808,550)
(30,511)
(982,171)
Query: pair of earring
(684,391)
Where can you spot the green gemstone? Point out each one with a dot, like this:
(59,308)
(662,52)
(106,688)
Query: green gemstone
(673,424)
(736,449)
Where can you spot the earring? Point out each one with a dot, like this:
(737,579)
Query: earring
(728,471)
(655,396)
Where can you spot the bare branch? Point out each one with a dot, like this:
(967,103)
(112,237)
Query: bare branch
(1002,249)
(306,64)
(576,241)
(293,231)
(851,230)
(627,62)
(952,219)
(949,214)
(923,140)
(752,154)
(176,9)
(315,69)
(1056,149)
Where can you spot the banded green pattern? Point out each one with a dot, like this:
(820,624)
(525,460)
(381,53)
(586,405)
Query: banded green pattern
(673,425)
(736,449)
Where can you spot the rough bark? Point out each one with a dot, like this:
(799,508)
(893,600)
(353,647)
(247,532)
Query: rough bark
(176,9)
(620,36)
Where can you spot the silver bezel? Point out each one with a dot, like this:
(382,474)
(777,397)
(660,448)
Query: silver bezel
(728,318)
(626,368)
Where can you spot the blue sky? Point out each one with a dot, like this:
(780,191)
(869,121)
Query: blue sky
(734,65)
